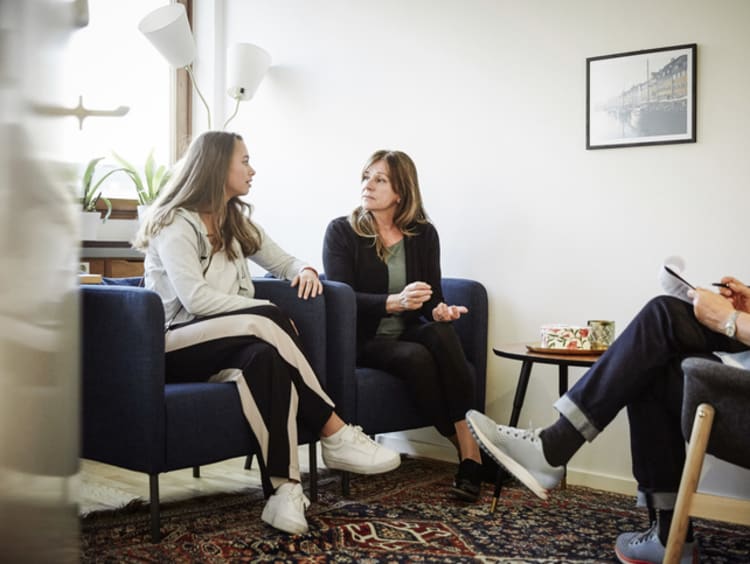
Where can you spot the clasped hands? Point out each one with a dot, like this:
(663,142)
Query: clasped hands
(414,295)
(713,309)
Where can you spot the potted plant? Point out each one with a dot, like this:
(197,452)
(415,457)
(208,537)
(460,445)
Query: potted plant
(91,193)
(148,185)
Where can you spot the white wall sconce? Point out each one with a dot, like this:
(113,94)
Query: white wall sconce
(246,66)
(167,28)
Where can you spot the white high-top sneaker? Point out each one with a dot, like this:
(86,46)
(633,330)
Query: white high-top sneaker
(285,509)
(351,450)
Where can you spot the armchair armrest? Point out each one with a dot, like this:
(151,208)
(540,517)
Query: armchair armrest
(341,330)
(472,327)
(122,344)
(308,315)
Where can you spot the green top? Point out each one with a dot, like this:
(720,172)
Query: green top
(393,325)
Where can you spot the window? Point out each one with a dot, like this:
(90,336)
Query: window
(109,64)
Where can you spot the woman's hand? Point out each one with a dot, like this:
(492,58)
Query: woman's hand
(443,312)
(309,284)
(737,293)
(410,298)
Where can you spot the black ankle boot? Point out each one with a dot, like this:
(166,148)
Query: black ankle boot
(468,480)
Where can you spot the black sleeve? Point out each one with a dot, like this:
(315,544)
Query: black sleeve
(342,262)
(429,258)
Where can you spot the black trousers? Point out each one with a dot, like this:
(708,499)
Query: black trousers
(282,396)
(429,357)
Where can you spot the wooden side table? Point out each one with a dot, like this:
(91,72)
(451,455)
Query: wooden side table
(520,351)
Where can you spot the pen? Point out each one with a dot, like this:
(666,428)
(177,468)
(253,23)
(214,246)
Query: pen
(720,284)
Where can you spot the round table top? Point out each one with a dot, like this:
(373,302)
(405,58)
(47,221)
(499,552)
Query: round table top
(520,351)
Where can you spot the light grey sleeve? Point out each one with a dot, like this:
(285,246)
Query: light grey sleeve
(275,259)
(182,275)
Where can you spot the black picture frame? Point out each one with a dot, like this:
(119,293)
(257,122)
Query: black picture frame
(641,98)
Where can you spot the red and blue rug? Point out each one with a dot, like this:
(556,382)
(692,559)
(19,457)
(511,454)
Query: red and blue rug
(408,515)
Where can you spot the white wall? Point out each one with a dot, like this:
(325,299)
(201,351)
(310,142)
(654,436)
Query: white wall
(488,97)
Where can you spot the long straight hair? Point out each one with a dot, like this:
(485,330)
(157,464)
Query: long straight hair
(198,186)
(409,209)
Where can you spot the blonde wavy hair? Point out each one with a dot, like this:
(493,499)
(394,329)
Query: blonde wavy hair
(198,185)
(409,209)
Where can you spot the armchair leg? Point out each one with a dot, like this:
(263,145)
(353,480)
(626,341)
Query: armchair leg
(691,473)
(313,451)
(153,486)
(196,471)
(249,462)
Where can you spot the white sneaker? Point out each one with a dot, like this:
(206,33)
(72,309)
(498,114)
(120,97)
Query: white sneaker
(285,509)
(349,449)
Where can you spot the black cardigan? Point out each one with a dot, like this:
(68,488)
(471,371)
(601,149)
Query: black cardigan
(352,259)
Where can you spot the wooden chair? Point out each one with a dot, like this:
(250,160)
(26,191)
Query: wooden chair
(716,417)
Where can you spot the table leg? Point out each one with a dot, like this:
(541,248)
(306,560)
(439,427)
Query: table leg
(523,383)
(562,385)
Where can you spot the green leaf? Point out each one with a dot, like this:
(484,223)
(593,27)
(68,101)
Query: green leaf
(87,193)
(148,169)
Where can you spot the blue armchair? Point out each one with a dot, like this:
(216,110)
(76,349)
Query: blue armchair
(377,400)
(132,419)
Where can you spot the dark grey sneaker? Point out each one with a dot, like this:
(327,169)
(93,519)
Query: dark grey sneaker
(646,548)
(518,450)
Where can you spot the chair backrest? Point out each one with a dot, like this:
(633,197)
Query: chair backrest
(727,389)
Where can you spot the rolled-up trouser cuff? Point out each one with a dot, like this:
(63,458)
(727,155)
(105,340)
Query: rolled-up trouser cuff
(577,418)
(656,500)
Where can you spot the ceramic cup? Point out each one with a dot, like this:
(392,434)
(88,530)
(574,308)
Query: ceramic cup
(602,333)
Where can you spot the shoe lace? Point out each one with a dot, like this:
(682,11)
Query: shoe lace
(299,498)
(359,435)
(640,538)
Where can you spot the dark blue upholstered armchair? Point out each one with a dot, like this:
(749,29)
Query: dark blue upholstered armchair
(377,400)
(131,419)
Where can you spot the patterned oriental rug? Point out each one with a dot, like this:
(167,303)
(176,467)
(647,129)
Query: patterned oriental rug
(405,516)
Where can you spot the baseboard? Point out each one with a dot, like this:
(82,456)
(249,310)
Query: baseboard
(403,443)
(603,482)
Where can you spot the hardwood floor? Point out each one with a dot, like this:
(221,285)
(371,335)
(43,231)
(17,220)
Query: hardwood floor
(101,486)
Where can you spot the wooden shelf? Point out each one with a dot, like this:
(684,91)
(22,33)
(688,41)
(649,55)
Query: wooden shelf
(113,259)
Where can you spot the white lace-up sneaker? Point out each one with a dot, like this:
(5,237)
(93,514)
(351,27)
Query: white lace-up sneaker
(285,509)
(349,449)
(518,450)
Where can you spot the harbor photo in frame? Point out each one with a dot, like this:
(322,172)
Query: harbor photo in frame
(641,98)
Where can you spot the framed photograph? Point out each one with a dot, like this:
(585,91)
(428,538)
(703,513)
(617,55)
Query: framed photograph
(641,98)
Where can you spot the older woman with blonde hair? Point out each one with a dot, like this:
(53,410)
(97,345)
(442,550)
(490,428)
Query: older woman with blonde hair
(389,253)
(197,239)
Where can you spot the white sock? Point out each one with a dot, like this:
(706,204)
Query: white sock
(335,437)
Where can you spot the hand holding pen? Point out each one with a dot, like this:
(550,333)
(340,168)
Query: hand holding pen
(735,291)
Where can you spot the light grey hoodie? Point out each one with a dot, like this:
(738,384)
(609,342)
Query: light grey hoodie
(192,282)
